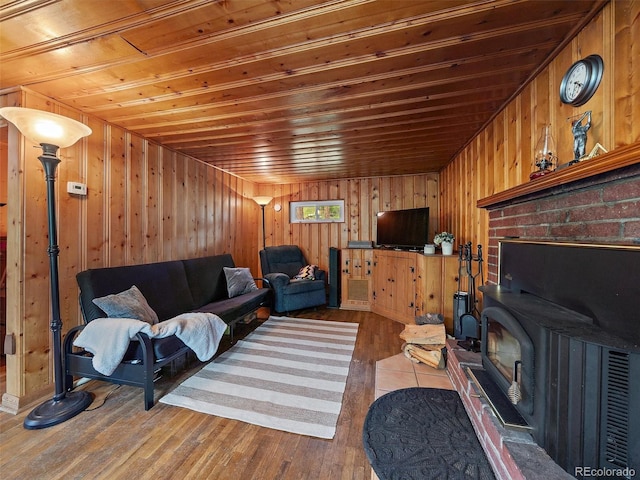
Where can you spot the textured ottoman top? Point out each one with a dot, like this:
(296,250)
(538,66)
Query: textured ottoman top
(423,433)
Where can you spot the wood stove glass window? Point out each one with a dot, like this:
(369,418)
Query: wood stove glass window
(503,350)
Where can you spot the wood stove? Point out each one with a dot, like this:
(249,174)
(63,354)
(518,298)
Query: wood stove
(561,343)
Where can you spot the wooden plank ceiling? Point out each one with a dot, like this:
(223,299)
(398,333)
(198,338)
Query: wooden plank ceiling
(289,91)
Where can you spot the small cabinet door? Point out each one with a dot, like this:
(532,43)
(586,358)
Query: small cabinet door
(394,285)
(404,288)
(450,276)
(357,269)
(429,285)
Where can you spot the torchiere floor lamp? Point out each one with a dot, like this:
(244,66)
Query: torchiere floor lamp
(263,202)
(51,131)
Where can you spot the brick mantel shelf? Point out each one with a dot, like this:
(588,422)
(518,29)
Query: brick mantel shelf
(619,158)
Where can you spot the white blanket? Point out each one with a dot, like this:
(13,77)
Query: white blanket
(108,338)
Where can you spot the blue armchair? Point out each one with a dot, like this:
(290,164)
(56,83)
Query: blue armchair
(279,266)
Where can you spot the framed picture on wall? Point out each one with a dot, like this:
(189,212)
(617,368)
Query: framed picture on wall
(317,211)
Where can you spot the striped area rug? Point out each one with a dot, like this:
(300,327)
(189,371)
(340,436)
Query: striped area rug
(289,374)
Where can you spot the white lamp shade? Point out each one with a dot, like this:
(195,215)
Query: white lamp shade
(262,201)
(44,127)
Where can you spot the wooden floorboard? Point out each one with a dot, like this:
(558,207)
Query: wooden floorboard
(117,439)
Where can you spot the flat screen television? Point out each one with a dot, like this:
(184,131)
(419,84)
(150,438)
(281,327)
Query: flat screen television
(403,228)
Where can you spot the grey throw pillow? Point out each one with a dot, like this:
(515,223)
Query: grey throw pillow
(128,304)
(239,281)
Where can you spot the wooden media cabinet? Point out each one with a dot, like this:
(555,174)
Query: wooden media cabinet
(398,284)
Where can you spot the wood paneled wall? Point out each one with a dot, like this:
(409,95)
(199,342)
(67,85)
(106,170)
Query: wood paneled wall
(363,197)
(148,203)
(500,157)
(145,203)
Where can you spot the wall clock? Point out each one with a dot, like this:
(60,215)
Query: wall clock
(581,80)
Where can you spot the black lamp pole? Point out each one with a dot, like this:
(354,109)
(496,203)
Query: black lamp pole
(263,201)
(264,235)
(63,405)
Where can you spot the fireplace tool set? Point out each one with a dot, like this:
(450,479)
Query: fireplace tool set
(465,304)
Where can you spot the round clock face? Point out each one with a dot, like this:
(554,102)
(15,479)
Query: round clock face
(581,80)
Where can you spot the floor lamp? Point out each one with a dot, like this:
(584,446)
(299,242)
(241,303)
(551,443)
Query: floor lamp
(263,202)
(51,131)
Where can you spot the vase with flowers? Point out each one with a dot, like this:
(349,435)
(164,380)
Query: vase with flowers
(445,241)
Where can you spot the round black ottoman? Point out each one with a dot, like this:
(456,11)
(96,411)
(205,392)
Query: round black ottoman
(423,433)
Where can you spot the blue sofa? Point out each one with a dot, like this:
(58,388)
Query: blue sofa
(170,288)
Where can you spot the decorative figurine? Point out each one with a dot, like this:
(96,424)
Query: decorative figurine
(579,131)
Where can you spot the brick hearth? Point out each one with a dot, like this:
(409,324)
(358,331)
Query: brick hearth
(513,454)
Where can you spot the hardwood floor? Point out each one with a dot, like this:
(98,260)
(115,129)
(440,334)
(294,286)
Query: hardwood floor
(116,439)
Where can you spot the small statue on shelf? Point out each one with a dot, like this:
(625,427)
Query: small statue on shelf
(579,131)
